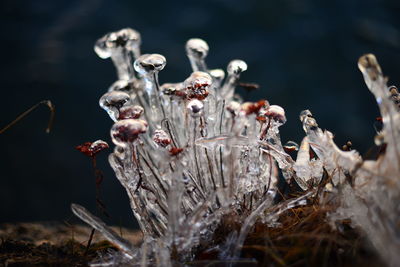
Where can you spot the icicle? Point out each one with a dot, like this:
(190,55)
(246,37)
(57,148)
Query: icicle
(376,83)
(302,166)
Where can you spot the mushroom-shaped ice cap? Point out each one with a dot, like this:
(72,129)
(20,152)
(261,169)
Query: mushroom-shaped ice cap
(113,101)
(109,43)
(237,66)
(197,48)
(150,63)
(217,74)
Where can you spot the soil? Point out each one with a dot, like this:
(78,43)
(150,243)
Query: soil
(54,244)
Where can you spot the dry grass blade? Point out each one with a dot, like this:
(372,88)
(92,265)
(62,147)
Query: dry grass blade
(25,113)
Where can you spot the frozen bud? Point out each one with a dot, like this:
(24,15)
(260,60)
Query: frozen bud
(92,149)
(197,48)
(150,63)
(98,146)
(161,138)
(195,107)
(130,112)
(198,80)
(277,113)
(197,85)
(127,131)
(125,38)
(237,66)
(112,102)
(234,108)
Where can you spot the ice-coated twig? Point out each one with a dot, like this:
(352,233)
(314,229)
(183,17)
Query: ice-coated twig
(302,166)
(107,232)
(149,65)
(376,83)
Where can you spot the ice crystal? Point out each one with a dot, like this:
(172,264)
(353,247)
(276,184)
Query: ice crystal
(192,153)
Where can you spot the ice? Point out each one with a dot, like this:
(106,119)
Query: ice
(191,153)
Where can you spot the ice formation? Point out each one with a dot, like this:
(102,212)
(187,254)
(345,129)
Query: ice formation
(191,153)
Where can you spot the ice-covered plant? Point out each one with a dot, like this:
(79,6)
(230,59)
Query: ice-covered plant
(191,155)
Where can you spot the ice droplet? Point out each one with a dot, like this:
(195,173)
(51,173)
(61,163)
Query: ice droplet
(195,107)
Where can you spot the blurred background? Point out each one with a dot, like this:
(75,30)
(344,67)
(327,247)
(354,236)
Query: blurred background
(302,53)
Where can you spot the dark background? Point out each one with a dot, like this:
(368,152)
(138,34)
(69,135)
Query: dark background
(303,53)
